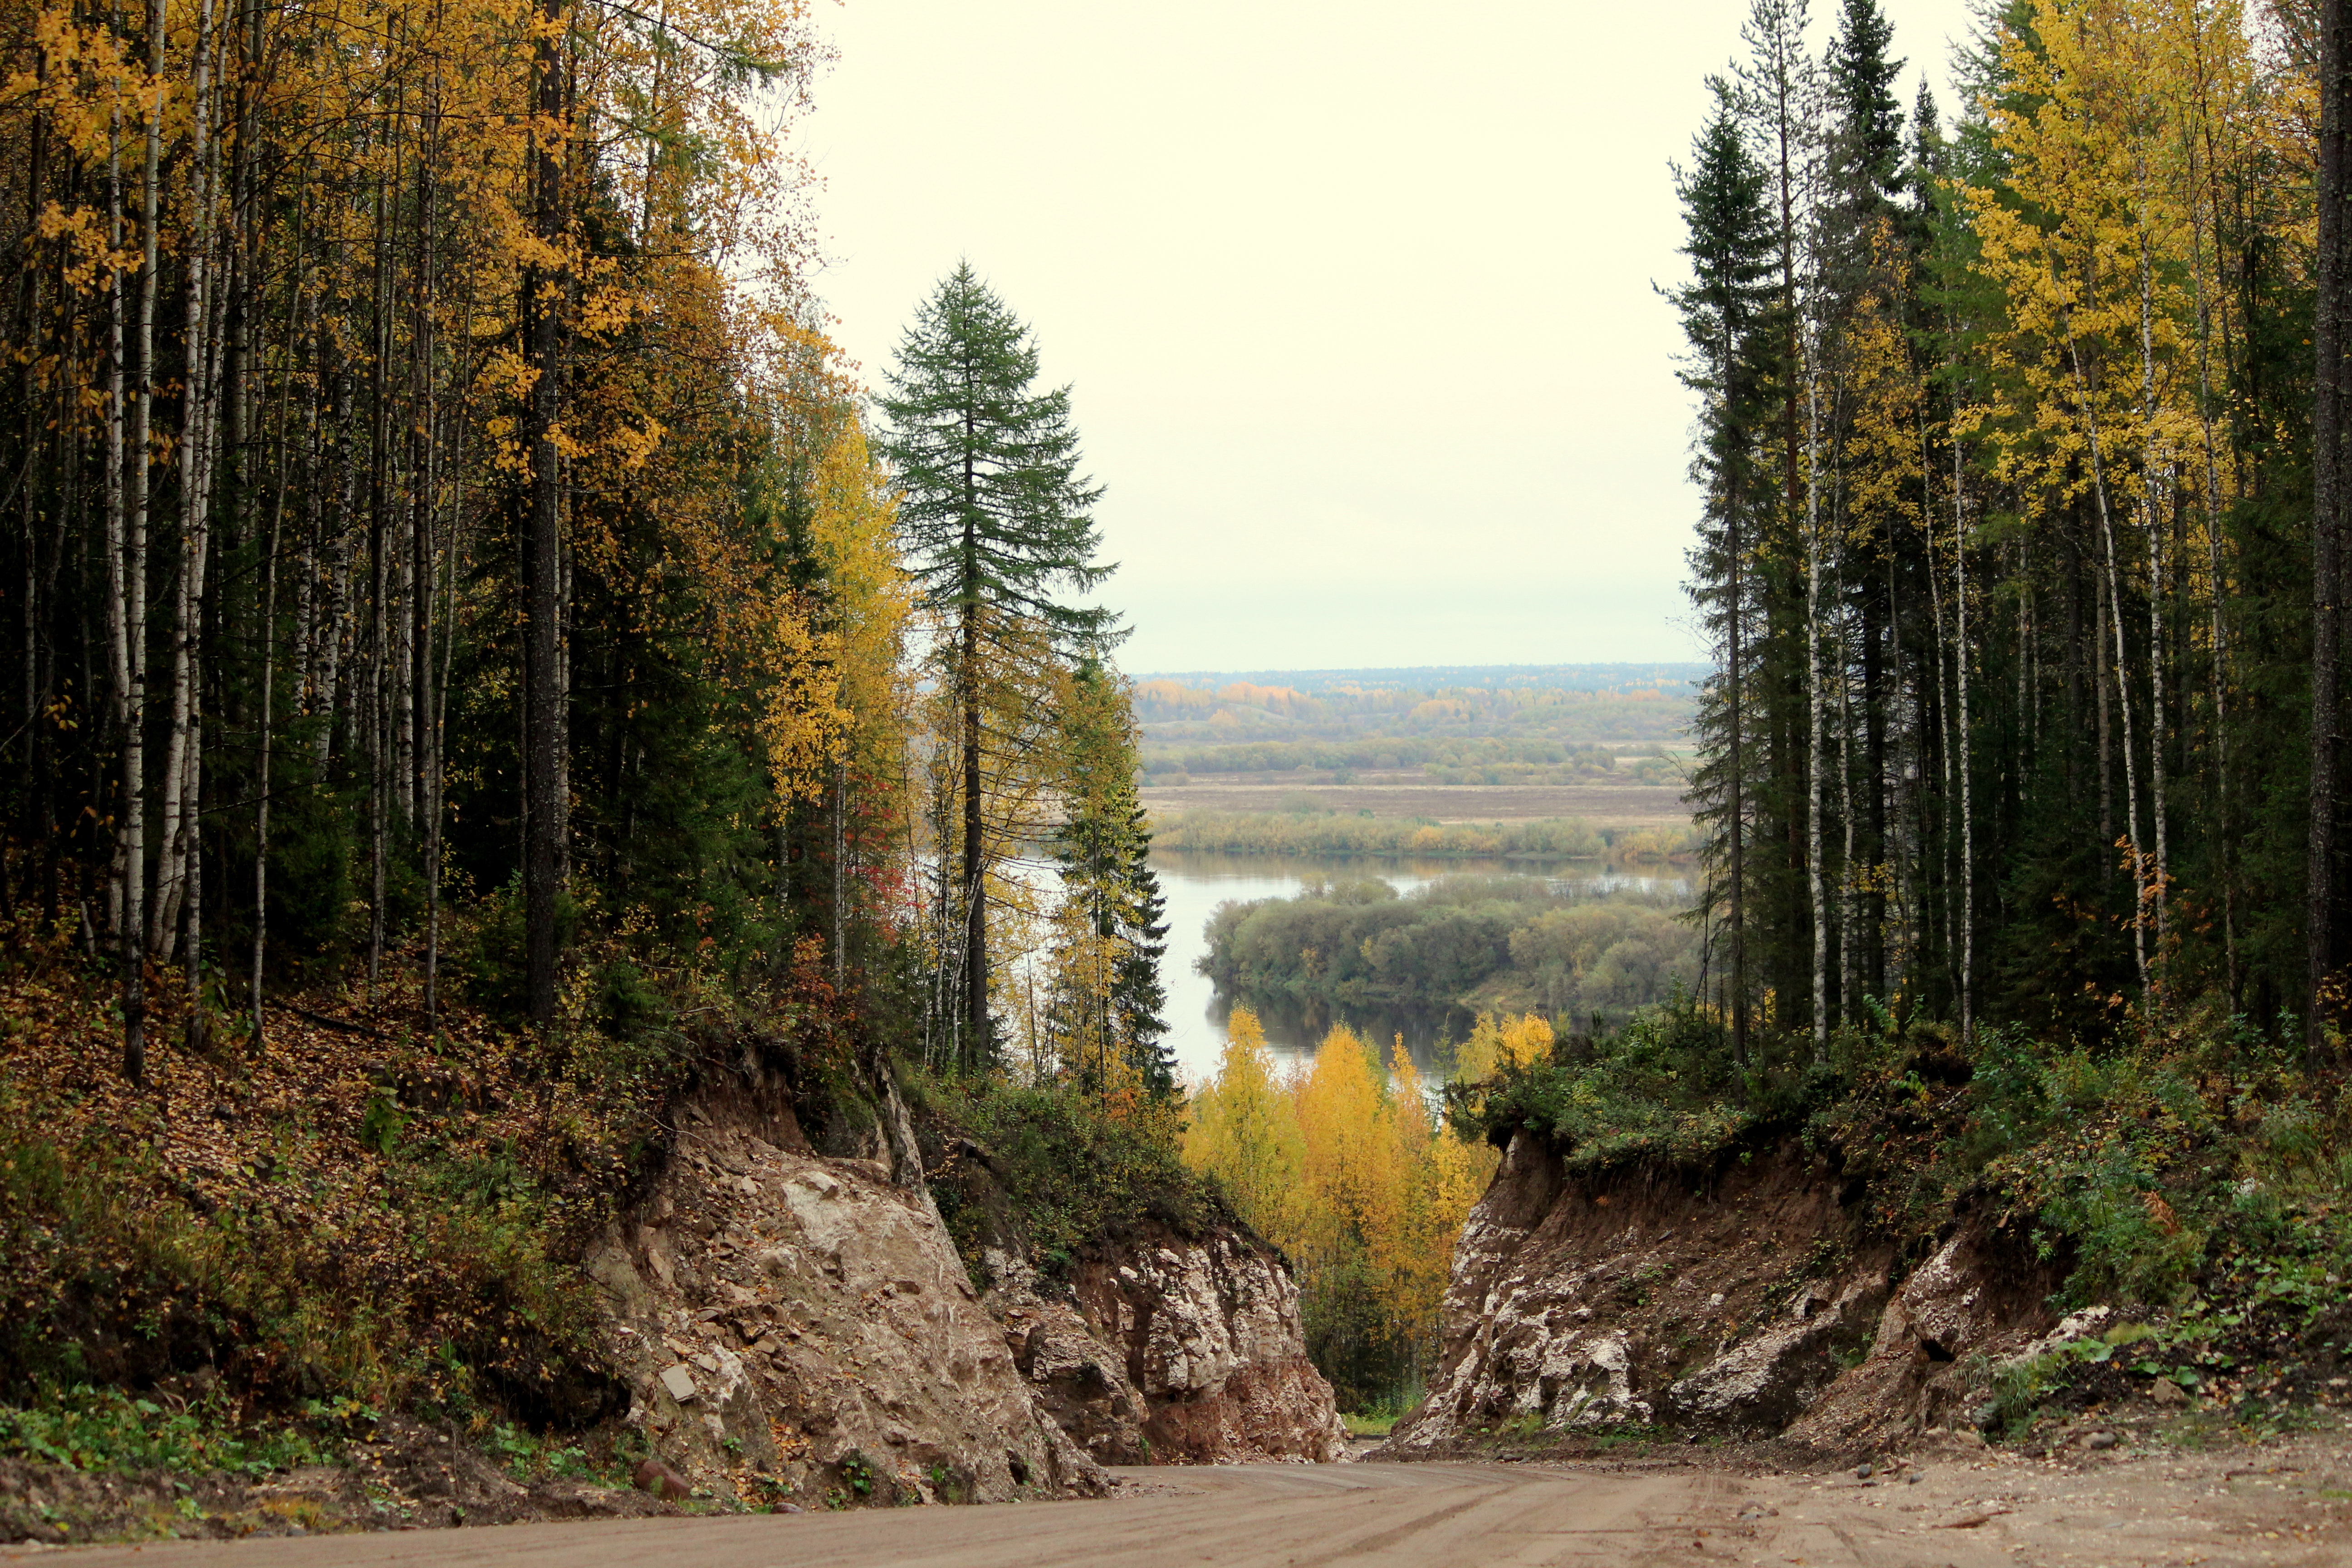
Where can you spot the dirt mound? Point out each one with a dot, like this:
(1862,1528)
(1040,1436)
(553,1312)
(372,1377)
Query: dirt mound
(1747,1301)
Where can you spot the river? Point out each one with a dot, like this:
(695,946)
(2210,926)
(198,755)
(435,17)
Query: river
(1196,882)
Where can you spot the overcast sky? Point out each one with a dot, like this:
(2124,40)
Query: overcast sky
(1355,298)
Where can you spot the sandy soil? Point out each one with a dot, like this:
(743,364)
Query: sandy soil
(2284,1504)
(1625,805)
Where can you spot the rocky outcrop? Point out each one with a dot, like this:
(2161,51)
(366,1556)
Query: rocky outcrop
(1211,1335)
(794,1327)
(1170,1350)
(1746,1300)
(1969,1300)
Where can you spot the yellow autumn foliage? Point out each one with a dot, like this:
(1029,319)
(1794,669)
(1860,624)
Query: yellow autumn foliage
(1349,1170)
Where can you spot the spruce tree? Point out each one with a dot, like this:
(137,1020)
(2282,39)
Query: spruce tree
(1109,997)
(997,524)
(1728,316)
(1870,120)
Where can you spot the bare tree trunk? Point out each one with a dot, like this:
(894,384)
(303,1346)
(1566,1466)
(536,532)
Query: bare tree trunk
(335,613)
(1849,949)
(1963,745)
(441,703)
(543,722)
(2332,342)
(840,878)
(1817,720)
(2150,515)
(265,753)
(975,850)
(2225,840)
(2103,689)
(171,878)
(1737,676)
(2123,681)
(117,605)
(134,570)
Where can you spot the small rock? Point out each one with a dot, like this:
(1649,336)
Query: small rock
(658,1478)
(2167,1392)
(678,1381)
(1862,1472)
(2102,1440)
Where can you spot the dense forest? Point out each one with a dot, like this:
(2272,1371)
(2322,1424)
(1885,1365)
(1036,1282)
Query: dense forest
(482,667)
(441,537)
(2027,629)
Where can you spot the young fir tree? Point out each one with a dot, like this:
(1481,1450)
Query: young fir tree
(1108,996)
(1727,312)
(996,523)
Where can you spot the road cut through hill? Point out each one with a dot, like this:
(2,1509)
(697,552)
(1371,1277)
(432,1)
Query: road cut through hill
(2282,1505)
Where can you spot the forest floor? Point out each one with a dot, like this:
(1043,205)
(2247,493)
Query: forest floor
(1630,804)
(2282,1503)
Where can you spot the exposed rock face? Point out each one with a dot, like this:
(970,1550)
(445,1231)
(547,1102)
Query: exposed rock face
(795,1326)
(1172,1350)
(1734,1303)
(1967,1299)
(1211,1335)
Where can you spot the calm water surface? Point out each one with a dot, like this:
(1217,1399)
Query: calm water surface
(1196,882)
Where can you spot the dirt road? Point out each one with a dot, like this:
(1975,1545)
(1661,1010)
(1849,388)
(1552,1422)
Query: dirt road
(2270,1508)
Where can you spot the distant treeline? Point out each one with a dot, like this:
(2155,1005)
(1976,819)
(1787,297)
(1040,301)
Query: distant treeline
(1510,943)
(1652,709)
(1428,677)
(1481,760)
(1316,832)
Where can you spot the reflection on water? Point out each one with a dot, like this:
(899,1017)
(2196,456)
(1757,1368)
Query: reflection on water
(1196,882)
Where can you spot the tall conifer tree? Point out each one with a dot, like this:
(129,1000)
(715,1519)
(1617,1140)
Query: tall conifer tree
(997,524)
(1727,312)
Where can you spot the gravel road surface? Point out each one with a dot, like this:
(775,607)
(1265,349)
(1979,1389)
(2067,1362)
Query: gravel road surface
(2281,1506)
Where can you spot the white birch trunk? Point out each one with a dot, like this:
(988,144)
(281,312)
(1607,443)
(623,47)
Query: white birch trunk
(2122,677)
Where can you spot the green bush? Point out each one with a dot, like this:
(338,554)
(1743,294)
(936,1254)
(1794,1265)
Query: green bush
(86,1427)
(1070,1171)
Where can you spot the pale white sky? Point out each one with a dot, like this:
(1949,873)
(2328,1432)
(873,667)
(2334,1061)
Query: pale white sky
(1355,298)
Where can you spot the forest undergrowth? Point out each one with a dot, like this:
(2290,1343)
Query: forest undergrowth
(255,1257)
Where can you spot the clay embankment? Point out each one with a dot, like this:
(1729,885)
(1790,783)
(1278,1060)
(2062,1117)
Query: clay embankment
(1746,1300)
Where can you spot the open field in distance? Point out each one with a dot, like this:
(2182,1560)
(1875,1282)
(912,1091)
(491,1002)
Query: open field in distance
(1406,793)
